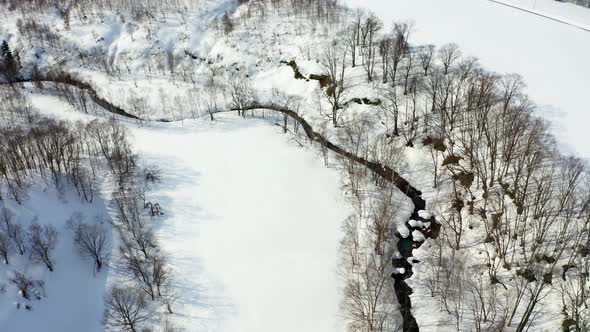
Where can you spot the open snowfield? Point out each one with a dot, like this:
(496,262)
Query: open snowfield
(251,224)
(252,218)
(551,56)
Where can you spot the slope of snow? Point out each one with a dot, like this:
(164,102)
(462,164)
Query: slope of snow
(551,56)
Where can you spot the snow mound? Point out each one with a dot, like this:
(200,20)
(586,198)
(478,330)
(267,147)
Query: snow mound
(415,223)
(425,214)
(418,236)
(403,230)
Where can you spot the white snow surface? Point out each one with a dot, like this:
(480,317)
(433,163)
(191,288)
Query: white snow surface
(551,56)
(403,230)
(418,236)
(73,292)
(414,223)
(566,12)
(252,224)
(425,214)
(252,220)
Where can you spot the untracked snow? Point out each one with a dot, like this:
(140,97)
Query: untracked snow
(569,13)
(252,223)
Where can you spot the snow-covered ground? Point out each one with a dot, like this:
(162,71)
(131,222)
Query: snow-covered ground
(72,292)
(252,220)
(563,11)
(551,56)
(252,223)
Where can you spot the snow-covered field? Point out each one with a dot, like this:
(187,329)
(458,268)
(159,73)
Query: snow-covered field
(251,224)
(551,56)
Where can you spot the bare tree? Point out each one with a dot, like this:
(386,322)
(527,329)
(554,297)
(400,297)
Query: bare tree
(138,268)
(486,307)
(369,296)
(449,54)
(43,240)
(353,34)
(453,283)
(385,46)
(27,287)
(576,301)
(11,229)
(160,271)
(408,68)
(436,149)
(126,309)
(452,218)
(425,56)
(6,246)
(351,39)
(89,238)
(401,34)
(368,290)
(241,93)
(169,297)
(333,62)
(369,31)
(6,220)
(18,238)
(382,220)
(211,101)
(391,108)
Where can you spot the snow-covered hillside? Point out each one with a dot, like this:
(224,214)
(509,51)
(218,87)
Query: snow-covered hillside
(551,56)
(283,165)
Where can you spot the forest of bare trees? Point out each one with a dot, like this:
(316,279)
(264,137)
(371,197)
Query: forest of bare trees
(495,161)
(501,171)
(76,154)
(514,209)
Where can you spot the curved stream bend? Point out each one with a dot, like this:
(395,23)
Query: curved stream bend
(71,81)
(405,245)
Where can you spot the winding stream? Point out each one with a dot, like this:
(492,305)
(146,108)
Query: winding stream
(404,245)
